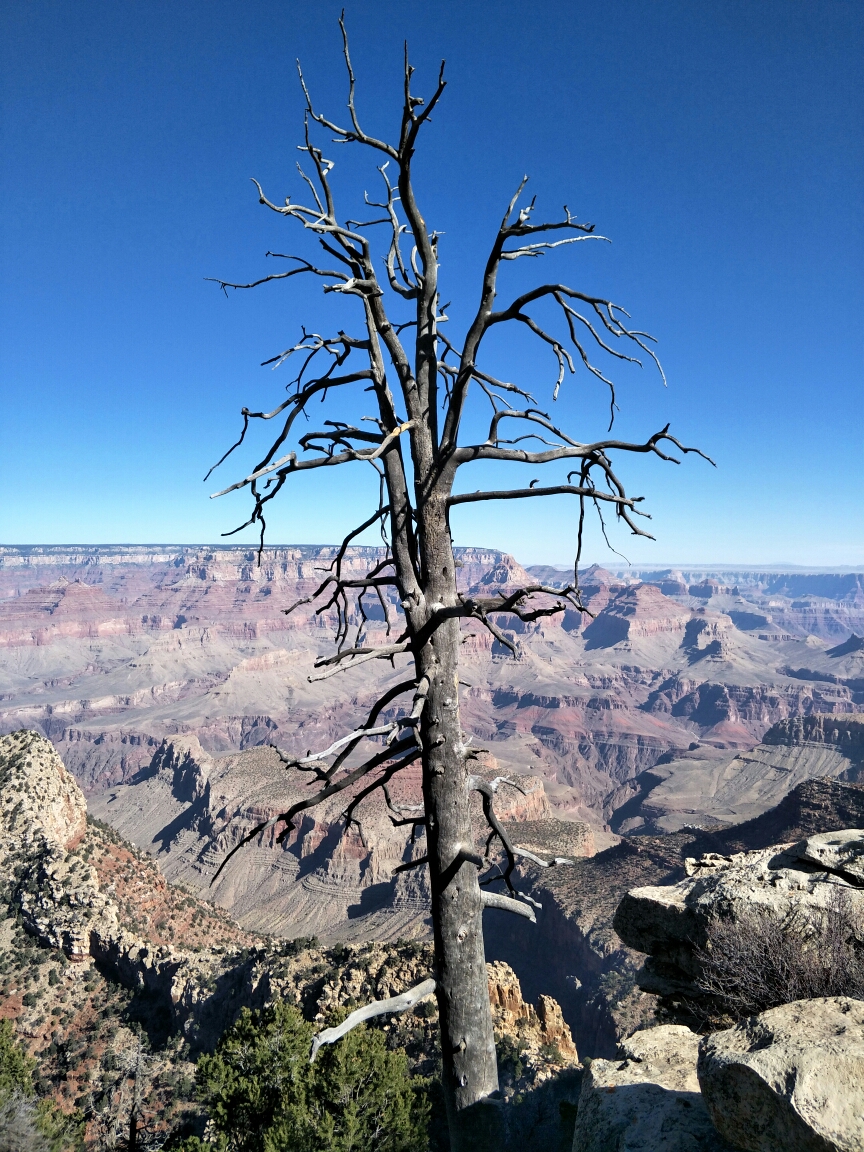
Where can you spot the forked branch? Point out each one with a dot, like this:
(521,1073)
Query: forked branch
(487,790)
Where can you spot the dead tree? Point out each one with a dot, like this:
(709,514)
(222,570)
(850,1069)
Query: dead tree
(418,380)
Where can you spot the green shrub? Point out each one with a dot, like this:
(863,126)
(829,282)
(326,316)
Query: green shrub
(263,1095)
(16,1067)
(509,1053)
(35,1124)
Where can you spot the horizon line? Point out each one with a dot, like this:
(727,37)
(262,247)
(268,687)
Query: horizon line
(779,566)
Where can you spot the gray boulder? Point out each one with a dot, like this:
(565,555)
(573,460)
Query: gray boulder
(790,1079)
(671,921)
(840,852)
(647,1101)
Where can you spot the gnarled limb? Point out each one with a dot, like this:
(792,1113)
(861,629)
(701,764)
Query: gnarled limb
(360,656)
(487,790)
(406,867)
(525,854)
(387,775)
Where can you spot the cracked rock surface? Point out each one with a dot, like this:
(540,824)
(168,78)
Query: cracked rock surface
(647,1101)
(670,922)
(791,1078)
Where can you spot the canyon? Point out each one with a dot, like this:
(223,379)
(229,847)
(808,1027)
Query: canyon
(170,679)
(108,651)
(100,958)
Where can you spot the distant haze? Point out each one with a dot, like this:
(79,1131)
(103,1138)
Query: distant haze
(610,563)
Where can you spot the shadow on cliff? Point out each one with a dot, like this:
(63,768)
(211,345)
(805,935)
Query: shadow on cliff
(187,820)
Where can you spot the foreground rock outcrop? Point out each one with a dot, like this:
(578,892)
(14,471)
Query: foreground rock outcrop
(671,923)
(648,1100)
(94,944)
(48,860)
(790,1079)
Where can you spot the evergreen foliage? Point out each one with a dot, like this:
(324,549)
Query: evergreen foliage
(16,1067)
(263,1095)
(28,1124)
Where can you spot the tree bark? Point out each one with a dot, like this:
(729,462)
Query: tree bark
(470,1070)
(419,546)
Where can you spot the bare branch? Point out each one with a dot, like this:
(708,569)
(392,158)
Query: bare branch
(495,630)
(594,453)
(402,814)
(523,852)
(244,412)
(290,463)
(387,775)
(394,1004)
(324,794)
(507,904)
(554,490)
(305,266)
(377,708)
(349,742)
(359,656)
(352,738)
(540,248)
(345,134)
(487,790)
(410,863)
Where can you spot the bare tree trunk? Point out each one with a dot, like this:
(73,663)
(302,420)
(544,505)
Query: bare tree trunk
(413,370)
(470,1068)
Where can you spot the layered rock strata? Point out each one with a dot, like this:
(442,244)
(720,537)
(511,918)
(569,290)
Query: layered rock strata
(110,650)
(190,809)
(699,786)
(51,860)
(533,1026)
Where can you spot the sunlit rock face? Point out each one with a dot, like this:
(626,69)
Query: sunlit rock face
(790,1078)
(110,651)
(647,1098)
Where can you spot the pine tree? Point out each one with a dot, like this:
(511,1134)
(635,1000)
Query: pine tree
(263,1095)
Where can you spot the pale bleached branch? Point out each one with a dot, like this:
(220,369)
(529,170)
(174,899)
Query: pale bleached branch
(392,1005)
(507,904)
(523,852)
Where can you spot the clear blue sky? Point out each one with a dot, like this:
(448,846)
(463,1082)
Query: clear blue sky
(717,142)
